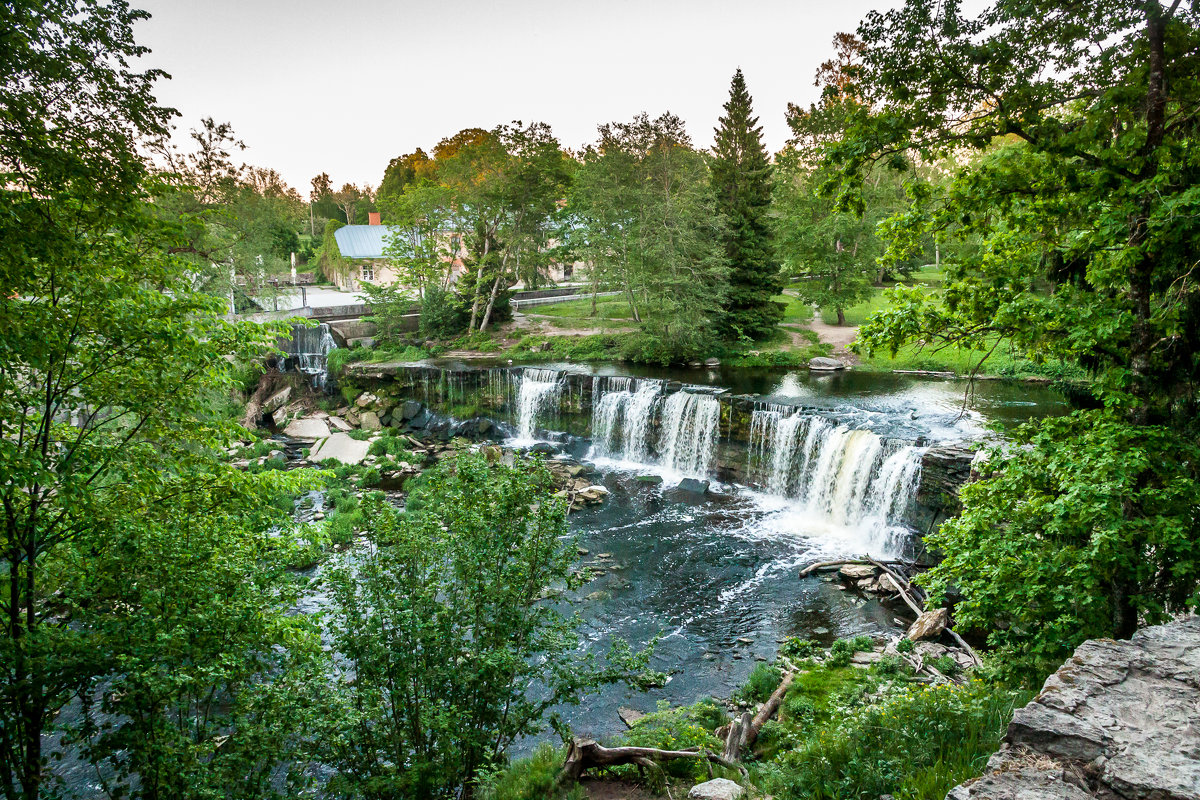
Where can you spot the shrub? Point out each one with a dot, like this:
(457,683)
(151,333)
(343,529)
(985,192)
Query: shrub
(916,744)
(764,679)
(443,314)
(679,729)
(532,777)
(796,648)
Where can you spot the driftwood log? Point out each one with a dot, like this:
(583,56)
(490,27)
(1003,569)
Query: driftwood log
(741,733)
(585,754)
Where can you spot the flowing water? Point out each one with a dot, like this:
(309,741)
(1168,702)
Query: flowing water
(311,346)
(833,467)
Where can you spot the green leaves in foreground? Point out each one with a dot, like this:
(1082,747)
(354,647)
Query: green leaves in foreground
(451,649)
(1091,525)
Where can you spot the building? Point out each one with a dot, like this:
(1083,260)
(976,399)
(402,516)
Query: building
(362,251)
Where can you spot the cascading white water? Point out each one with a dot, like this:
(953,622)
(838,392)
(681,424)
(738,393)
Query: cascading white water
(312,347)
(623,417)
(848,477)
(689,432)
(537,391)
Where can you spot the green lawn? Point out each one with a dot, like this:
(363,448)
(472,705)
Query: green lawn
(606,308)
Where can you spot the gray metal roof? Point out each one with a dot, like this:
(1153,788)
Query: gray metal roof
(363,241)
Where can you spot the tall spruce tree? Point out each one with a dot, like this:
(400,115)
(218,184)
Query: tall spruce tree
(741,176)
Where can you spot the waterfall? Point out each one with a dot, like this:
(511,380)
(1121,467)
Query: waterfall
(537,391)
(689,432)
(311,347)
(624,413)
(849,477)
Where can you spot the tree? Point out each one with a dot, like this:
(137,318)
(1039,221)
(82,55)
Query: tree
(832,251)
(647,220)
(452,650)
(401,171)
(348,198)
(741,179)
(1082,201)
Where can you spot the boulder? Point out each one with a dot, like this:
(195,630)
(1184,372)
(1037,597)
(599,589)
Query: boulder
(543,449)
(484,426)
(654,479)
(369,421)
(409,409)
(277,400)
(1118,720)
(856,572)
(716,789)
(365,399)
(712,362)
(629,715)
(822,364)
(279,416)
(693,485)
(341,447)
(307,428)
(929,625)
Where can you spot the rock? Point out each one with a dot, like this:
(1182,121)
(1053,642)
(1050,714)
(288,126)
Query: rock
(820,631)
(745,640)
(279,416)
(277,400)
(693,485)
(856,572)
(929,625)
(307,428)
(543,449)
(1121,713)
(365,399)
(369,421)
(339,424)
(410,409)
(629,715)
(865,659)
(654,479)
(716,789)
(484,426)
(822,364)
(341,447)
(712,362)
(277,455)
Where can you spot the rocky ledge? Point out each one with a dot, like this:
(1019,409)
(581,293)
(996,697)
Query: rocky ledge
(1118,721)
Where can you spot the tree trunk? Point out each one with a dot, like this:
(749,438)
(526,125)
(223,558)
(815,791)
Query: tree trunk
(741,733)
(487,315)
(841,316)
(585,754)
(478,283)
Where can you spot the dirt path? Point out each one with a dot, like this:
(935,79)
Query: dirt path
(840,336)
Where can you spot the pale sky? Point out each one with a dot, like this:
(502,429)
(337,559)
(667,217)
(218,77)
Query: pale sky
(344,87)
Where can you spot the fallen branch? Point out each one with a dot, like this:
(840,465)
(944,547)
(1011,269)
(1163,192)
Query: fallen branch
(826,565)
(742,732)
(585,754)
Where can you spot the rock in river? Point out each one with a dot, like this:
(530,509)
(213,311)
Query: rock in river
(307,428)
(825,364)
(341,447)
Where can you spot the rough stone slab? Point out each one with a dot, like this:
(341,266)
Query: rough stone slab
(629,715)
(929,625)
(278,399)
(369,421)
(1121,718)
(337,423)
(341,447)
(307,428)
(716,789)
(855,572)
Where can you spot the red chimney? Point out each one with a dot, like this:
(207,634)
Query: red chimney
(373,218)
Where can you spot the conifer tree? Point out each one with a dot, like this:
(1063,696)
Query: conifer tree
(741,176)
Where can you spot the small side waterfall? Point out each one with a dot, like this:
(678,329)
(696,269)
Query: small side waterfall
(311,348)
(537,391)
(849,477)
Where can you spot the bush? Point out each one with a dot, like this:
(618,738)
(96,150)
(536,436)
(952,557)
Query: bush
(443,314)
(916,744)
(795,648)
(527,778)
(679,729)
(764,679)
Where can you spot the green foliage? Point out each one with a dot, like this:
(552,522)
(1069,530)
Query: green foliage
(916,743)
(741,179)
(762,681)
(647,223)
(1086,527)
(389,305)
(443,314)
(528,778)
(679,729)
(444,612)
(798,649)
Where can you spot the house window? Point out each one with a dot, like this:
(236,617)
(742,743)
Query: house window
(368,273)
(455,244)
